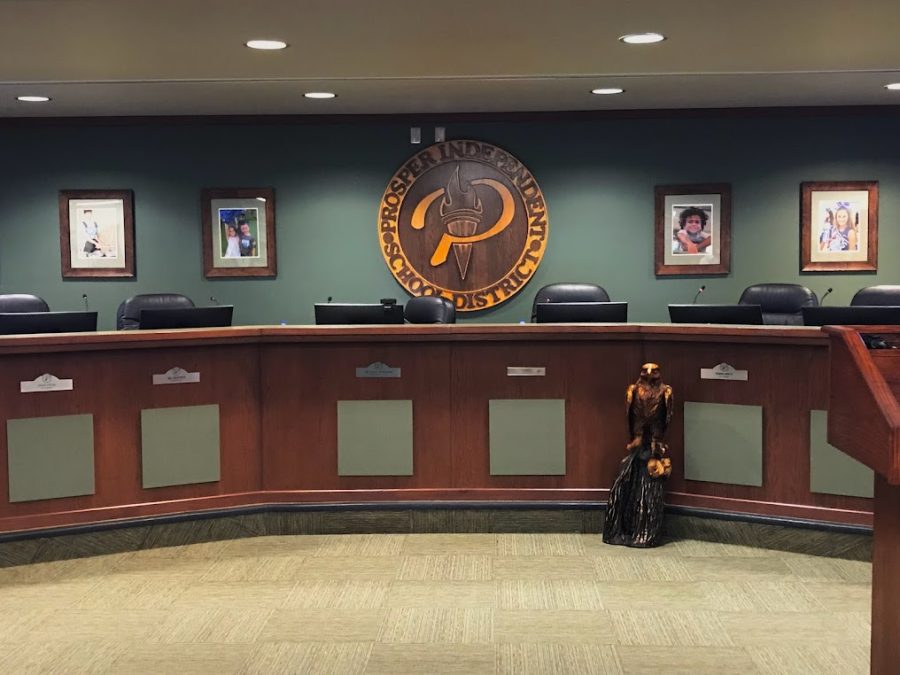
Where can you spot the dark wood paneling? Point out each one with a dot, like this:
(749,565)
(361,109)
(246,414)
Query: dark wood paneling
(114,387)
(278,387)
(299,411)
(864,415)
(885,580)
(864,421)
(788,382)
(592,380)
(889,366)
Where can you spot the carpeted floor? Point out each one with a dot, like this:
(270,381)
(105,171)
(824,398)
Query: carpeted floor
(718,598)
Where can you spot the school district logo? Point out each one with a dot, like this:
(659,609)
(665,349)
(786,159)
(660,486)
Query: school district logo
(465,220)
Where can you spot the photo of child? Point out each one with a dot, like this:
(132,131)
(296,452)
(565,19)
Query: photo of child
(240,233)
(692,228)
(839,222)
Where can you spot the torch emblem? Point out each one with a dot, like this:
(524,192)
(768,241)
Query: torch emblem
(461,213)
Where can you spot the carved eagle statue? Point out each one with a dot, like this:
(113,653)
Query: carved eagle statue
(649,404)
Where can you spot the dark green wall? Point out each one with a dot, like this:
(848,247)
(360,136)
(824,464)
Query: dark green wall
(597,177)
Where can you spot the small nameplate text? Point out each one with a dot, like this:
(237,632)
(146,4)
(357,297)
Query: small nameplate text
(724,371)
(176,375)
(378,369)
(526,371)
(45,382)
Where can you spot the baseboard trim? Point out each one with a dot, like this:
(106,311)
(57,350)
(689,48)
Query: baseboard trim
(783,521)
(404,506)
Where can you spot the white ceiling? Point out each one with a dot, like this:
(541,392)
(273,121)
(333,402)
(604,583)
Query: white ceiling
(186,57)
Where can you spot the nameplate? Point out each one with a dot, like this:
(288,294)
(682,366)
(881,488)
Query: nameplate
(724,371)
(378,369)
(176,375)
(526,371)
(45,382)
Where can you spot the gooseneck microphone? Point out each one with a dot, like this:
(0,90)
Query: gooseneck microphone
(699,291)
(329,299)
(822,301)
(85,299)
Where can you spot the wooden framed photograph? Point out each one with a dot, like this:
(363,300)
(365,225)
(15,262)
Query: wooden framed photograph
(839,226)
(693,229)
(238,232)
(96,233)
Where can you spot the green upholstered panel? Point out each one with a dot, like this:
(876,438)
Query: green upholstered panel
(50,457)
(375,438)
(180,446)
(527,437)
(832,471)
(723,443)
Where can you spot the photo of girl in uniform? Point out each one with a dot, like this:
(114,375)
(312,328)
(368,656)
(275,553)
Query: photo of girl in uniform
(839,226)
(692,228)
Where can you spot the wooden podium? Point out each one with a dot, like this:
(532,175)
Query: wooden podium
(864,422)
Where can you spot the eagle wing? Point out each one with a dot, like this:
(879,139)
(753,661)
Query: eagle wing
(630,394)
(666,407)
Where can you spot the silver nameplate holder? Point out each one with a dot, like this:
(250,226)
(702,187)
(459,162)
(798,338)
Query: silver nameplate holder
(526,371)
(176,376)
(724,371)
(45,382)
(378,370)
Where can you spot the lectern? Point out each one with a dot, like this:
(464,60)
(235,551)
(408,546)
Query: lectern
(864,422)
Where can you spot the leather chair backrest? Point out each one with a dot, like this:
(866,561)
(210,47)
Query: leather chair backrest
(22,302)
(128,315)
(569,292)
(877,295)
(780,303)
(430,309)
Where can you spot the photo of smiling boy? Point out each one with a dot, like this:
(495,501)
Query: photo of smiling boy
(692,229)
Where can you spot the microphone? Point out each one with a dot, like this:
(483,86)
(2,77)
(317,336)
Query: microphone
(214,299)
(822,301)
(329,299)
(699,291)
(85,298)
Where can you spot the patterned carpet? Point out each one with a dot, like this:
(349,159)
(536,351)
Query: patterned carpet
(718,598)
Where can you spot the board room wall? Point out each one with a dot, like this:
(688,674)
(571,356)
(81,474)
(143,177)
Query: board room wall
(597,176)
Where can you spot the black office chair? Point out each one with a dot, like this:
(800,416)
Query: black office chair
(128,315)
(877,295)
(568,292)
(429,309)
(22,302)
(780,303)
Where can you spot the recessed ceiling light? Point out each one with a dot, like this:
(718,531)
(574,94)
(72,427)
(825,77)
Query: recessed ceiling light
(269,45)
(33,99)
(320,94)
(642,38)
(606,91)
(893,86)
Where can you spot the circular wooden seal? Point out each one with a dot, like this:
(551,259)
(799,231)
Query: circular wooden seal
(464,220)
